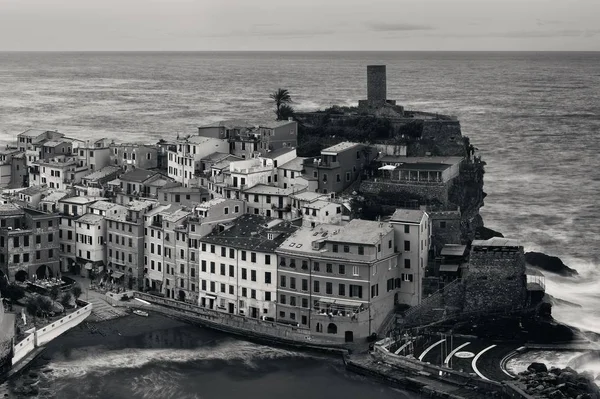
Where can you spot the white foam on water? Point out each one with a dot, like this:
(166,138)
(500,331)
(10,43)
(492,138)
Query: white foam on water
(100,360)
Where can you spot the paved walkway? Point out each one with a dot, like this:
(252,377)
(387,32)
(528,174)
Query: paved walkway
(475,356)
(102,310)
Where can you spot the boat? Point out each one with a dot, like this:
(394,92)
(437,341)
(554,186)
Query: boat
(140,313)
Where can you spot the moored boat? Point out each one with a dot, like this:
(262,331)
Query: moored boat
(140,313)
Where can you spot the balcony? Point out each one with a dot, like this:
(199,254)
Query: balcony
(282,207)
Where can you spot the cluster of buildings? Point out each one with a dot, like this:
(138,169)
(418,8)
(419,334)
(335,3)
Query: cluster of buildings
(230,219)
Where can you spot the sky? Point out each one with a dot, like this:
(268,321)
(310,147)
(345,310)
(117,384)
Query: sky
(299,25)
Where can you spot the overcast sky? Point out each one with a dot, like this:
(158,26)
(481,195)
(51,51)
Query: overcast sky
(299,25)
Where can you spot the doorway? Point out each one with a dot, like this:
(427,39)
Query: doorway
(349,336)
(231,308)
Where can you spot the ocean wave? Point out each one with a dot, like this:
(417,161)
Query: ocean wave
(100,360)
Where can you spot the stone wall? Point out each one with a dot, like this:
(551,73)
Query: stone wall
(376,84)
(495,280)
(446,229)
(392,193)
(454,296)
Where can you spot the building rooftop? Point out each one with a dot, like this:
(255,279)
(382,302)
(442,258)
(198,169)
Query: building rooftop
(359,231)
(102,173)
(54,143)
(137,206)
(174,214)
(496,242)
(229,124)
(278,152)
(308,196)
(453,250)
(212,202)
(215,157)
(78,200)
(162,183)
(274,124)
(408,216)
(251,232)
(55,196)
(8,151)
(204,140)
(10,209)
(421,160)
(33,190)
(340,147)
(103,205)
(318,204)
(90,218)
(296,164)
(273,190)
(138,175)
(33,132)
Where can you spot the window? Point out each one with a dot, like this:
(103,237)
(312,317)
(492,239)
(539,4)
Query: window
(443,224)
(316,286)
(231,290)
(16,258)
(304,265)
(335,247)
(361,250)
(329,267)
(252,275)
(292,303)
(316,266)
(253,257)
(304,284)
(342,289)
(231,271)
(267,259)
(407,263)
(203,266)
(406,277)
(212,286)
(282,299)
(244,274)
(223,251)
(292,283)
(212,267)
(407,245)
(222,269)
(253,294)
(212,249)
(267,277)
(282,281)
(390,284)
(346,248)
(329,288)
(406,229)
(374,290)
(355,291)
(231,253)
(226,211)
(222,288)
(243,255)
(342,269)
(267,296)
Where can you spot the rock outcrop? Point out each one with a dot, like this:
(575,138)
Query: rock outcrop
(549,263)
(557,383)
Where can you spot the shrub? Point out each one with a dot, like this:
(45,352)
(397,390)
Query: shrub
(76,291)
(54,292)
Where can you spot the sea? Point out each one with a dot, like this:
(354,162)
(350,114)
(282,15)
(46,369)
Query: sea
(533,116)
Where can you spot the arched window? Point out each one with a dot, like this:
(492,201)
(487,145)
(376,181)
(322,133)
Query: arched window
(331,329)
(319,327)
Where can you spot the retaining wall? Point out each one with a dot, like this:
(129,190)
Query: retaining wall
(239,325)
(23,348)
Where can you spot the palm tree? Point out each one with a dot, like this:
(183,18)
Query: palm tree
(285,112)
(280,97)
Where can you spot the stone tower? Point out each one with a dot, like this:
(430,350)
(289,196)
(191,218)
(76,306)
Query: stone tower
(376,85)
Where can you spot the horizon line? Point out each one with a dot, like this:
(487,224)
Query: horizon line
(299,51)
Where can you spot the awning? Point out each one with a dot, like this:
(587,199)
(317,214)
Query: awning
(340,302)
(449,268)
(88,266)
(117,274)
(387,167)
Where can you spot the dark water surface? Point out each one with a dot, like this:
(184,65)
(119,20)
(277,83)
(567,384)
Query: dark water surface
(189,362)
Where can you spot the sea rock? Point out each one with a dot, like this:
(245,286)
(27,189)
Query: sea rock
(549,263)
(484,233)
(537,367)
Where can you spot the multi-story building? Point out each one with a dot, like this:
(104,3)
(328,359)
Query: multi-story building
(292,173)
(322,211)
(184,165)
(58,172)
(175,193)
(278,134)
(271,201)
(412,231)
(55,148)
(339,166)
(339,281)
(131,155)
(30,138)
(241,175)
(71,208)
(95,157)
(125,237)
(7,159)
(137,184)
(96,183)
(90,242)
(238,266)
(28,243)
(224,129)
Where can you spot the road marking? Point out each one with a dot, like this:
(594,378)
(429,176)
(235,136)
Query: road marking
(430,348)
(402,347)
(476,358)
(447,360)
